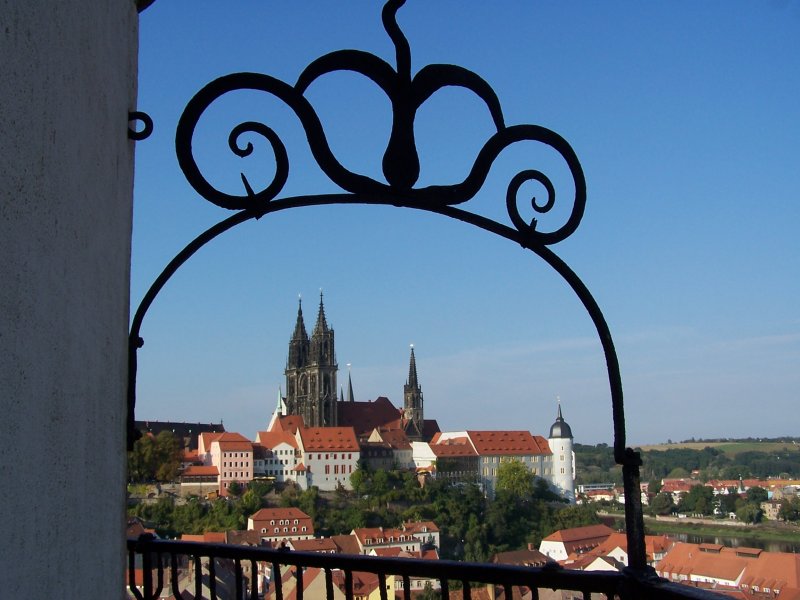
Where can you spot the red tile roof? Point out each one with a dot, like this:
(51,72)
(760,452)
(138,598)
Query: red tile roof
(364,417)
(314,545)
(347,544)
(396,438)
(508,443)
(319,439)
(289,423)
(773,570)
(267,514)
(453,447)
(580,534)
(272,439)
(418,526)
(200,471)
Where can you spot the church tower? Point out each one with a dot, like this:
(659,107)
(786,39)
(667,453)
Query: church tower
(311,372)
(412,403)
(560,442)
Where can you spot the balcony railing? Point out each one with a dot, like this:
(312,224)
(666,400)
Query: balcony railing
(164,563)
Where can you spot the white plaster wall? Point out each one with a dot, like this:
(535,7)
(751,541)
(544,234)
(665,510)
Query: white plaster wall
(67,82)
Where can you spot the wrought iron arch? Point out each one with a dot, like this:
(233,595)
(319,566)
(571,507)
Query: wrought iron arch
(401,170)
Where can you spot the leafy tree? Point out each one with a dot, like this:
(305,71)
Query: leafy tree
(260,488)
(358,481)
(757,495)
(790,509)
(678,473)
(235,488)
(514,478)
(727,502)
(251,502)
(700,499)
(749,513)
(662,504)
(155,458)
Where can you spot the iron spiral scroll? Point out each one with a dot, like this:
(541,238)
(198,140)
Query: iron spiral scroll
(401,169)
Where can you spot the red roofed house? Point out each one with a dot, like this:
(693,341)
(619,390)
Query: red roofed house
(456,459)
(329,455)
(314,585)
(280,458)
(750,571)
(375,538)
(232,454)
(281,524)
(562,543)
(615,547)
(200,480)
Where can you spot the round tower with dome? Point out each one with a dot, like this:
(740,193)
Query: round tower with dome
(563,473)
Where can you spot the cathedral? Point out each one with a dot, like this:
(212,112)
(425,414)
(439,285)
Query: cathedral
(311,388)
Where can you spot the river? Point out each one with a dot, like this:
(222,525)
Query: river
(735,541)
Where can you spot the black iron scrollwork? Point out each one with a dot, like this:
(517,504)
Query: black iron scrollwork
(401,169)
(400,163)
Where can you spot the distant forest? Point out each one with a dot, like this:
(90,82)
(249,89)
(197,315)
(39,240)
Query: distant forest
(734,458)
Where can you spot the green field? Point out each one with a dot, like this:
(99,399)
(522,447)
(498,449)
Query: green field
(730,449)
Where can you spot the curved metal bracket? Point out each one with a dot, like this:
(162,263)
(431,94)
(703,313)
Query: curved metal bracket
(147,125)
(401,170)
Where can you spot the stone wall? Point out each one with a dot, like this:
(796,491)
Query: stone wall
(67,82)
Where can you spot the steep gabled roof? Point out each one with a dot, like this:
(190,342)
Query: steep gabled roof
(364,417)
(290,423)
(347,544)
(273,439)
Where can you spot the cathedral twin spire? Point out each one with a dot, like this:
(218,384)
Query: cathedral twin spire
(311,378)
(311,371)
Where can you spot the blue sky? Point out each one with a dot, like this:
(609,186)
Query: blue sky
(685,119)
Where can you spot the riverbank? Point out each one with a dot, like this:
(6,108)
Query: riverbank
(769,531)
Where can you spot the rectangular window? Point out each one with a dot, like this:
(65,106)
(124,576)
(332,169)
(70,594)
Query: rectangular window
(327,469)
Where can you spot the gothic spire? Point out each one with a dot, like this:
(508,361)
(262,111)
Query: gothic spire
(412,370)
(322,324)
(350,397)
(300,326)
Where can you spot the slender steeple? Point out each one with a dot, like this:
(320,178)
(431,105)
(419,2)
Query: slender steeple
(322,325)
(300,326)
(412,402)
(412,370)
(298,346)
(350,397)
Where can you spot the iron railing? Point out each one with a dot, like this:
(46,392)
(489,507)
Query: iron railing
(161,569)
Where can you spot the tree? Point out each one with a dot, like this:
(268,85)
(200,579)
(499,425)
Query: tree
(757,495)
(662,504)
(514,478)
(358,481)
(749,513)
(235,488)
(700,499)
(155,458)
(790,509)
